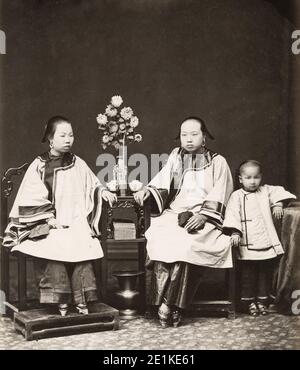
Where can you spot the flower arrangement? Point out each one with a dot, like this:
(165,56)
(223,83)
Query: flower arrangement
(117,124)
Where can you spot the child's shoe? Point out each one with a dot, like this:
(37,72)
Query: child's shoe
(253,309)
(262,308)
(63,309)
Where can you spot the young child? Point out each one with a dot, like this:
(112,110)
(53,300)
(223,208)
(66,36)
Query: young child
(248,220)
(55,218)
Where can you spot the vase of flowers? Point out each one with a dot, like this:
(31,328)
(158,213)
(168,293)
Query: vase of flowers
(118,128)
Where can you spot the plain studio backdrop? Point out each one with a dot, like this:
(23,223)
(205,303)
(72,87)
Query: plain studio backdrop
(226,61)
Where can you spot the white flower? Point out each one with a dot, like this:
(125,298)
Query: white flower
(134,122)
(111,111)
(138,137)
(135,185)
(112,185)
(116,101)
(126,112)
(102,119)
(105,139)
(113,128)
(117,123)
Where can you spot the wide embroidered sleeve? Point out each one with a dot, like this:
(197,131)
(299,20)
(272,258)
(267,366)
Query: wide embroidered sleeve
(214,205)
(232,222)
(31,207)
(93,196)
(159,186)
(278,194)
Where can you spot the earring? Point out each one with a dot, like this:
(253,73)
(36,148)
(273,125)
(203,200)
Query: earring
(51,145)
(202,148)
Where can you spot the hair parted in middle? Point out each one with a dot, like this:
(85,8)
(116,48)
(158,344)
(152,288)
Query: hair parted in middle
(203,127)
(51,125)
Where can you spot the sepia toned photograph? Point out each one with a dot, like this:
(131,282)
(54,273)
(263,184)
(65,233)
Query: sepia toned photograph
(149,163)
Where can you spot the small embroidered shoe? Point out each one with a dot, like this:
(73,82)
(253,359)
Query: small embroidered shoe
(262,308)
(63,309)
(253,309)
(163,315)
(82,309)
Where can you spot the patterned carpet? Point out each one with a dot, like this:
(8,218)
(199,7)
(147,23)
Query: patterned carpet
(271,332)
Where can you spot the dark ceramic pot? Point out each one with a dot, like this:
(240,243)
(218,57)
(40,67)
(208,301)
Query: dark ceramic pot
(127,299)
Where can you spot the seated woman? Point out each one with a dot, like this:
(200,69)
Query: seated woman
(189,196)
(55,217)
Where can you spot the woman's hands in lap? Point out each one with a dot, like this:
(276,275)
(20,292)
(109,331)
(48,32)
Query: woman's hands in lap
(196,222)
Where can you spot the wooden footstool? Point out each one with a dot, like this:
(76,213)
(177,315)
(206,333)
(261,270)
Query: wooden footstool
(47,322)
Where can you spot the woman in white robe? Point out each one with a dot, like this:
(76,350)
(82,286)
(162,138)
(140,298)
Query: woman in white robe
(55,217)
(189,197)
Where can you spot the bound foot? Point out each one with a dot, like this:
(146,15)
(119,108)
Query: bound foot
(163,315)
(82,309)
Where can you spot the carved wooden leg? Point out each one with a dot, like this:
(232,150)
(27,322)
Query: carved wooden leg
(232,287)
